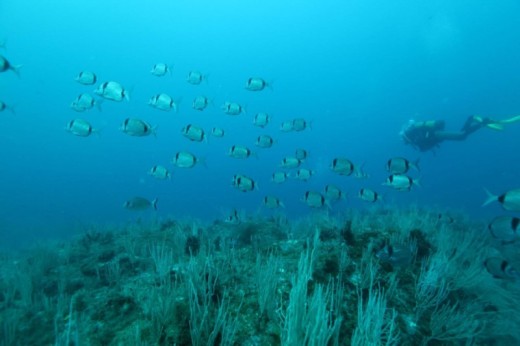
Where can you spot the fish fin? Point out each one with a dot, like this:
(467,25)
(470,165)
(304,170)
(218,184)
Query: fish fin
(270,84)
(16,69)
(154,204)
(98,104)
(495,126)
(415,164)
(11,108)
(490,198)
(417,182)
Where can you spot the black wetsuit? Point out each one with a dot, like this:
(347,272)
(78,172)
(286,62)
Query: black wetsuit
(428,135)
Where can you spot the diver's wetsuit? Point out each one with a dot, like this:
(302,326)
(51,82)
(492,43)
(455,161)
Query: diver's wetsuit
(428,134)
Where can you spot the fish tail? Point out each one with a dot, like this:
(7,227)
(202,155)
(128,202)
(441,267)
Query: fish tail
(417,182)
(154,204)
(490,198)
(16,69)
(415,164)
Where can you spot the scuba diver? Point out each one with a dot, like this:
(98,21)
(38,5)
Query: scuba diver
(427,135)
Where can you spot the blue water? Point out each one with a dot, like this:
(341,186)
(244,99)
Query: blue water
(358,70)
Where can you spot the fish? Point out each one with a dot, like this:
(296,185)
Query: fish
(4,106)
(163,102)
(5,65)
(342,166)
(232,108)
(304,174)
(301,154)
(200,103)
(509,200)
(112,91)
(261,119)
(333,193)
(160,69)
(80,127)
(217,132)
(300,124)
(264,141)
(290,162)
(86,78)
(244,183)
(505,228)
(286,126)
(273,202)
(400,165)
(256,84)
(159,172)
(500,268)
(399,255)
(369,195)
(184,159)
(315,199)
(85,102)
(140,203)
(137,128)
(401,182)
(240,152)
(297,125)
(233,218)
(279,177)
(193,133)
(195,77)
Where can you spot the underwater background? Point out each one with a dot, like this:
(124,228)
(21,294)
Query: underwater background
(356,70)
(86,260)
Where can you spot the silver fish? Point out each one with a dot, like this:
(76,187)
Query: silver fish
(240,152)
(273,202)
(300,124)
(315,199)
(342,166)
(193,133)
(399,255)
(401,182)
(5,65)
(333,193)
(501,269)
(86,78)
(217,132)
(233,218)
(140,203)
(261,119)
(244,183)
(232,108)
(400,165)
(301,154)
(184,159)
(304,174)
(286,126)
(195,77)
(160,69)
(80,127)
(163,102)
(264,141)
(137,128)
(84,102)
(159,172)
(200,103)
(290,162)
(256,84)
(279,177)
(369,195)
(505,228)
(509,200)
(112,91)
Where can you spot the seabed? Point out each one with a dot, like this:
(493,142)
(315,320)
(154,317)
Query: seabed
(382,277)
